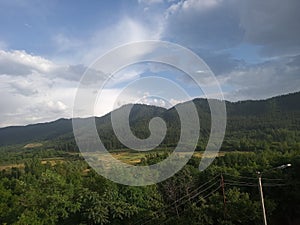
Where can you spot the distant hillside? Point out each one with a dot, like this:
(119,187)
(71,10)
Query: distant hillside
(62,128)
(35,132)
(250,125)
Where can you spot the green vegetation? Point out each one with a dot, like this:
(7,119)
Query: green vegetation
(44,180)
(69,192)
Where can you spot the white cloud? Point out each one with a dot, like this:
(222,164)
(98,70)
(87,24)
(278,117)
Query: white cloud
(188,6)
(34,98)
(148,100)
(263,80)
(174,102)
(56,106)
(90,48)
(38,90)
(125,31)
(124,76)
(20,63)
(24,88)
(34,88)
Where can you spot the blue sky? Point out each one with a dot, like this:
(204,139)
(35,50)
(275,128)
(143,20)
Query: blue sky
(252,46)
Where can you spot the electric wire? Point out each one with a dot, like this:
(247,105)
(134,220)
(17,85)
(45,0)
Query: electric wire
(252,178)
(199,190)
(204,197)
(188,195)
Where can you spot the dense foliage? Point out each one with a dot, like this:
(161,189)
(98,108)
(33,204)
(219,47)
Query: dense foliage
(71,193)
(47,182)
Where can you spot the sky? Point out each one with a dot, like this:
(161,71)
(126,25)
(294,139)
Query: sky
(252,47)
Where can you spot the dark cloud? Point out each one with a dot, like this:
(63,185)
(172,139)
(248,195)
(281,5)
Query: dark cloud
(212,28)
(294,61)
(211,24)
(219,24)
(71,72)
(272,24)
(220,63)
(76,72)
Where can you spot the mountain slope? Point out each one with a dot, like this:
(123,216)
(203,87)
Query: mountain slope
(63,127)
(34,132)
(269,119)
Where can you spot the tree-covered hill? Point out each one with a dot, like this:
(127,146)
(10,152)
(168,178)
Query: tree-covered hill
(250,125)
(34,132)
(51,185)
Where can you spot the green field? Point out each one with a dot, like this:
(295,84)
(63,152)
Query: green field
(127,156)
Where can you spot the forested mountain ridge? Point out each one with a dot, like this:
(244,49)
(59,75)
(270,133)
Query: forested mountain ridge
(252,119)
(62,128)
(52,184)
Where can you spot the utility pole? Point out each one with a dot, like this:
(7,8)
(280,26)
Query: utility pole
(261,191)
(262,198)
(224,197)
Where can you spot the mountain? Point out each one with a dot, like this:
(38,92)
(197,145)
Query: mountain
(62,128)
(34,132)
(250,124)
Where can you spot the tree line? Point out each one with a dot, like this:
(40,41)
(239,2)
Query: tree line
(225,193)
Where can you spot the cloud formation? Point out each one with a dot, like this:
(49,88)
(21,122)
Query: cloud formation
(20,63)
(40,86)
(264,80)
(206,24)
(272,24)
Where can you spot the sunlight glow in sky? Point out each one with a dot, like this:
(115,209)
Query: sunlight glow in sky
(252,46)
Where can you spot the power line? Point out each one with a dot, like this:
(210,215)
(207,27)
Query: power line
(188,195)
(204,187)
(204,197)
(230,183)
(195,190)
(200,192)
(251,178)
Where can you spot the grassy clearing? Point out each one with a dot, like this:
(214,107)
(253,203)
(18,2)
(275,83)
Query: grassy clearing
(133,158)
(128,157)
(9,166)
(52,161)
(33,145)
